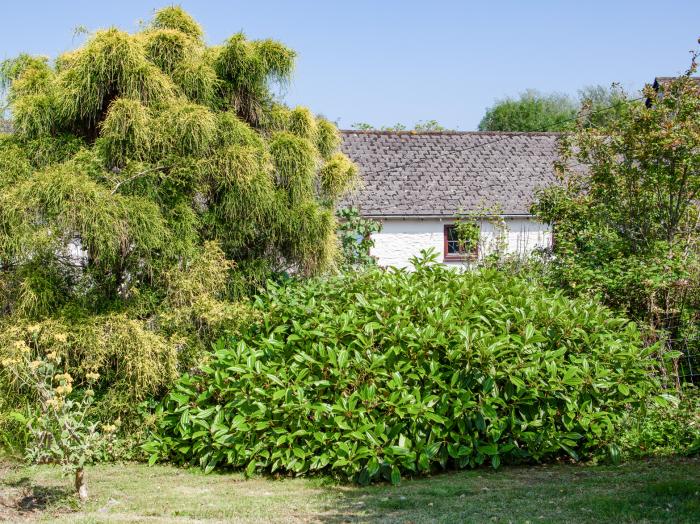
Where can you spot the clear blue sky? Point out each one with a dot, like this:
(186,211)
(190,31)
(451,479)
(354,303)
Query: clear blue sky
(388,61)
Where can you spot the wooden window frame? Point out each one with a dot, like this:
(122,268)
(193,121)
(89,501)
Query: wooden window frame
(456,257)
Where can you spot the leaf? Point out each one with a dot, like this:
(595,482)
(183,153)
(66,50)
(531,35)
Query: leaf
(19,417)
(488,449)
(250,468)
(395,476)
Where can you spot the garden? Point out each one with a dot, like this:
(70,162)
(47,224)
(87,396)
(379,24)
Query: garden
(191,330)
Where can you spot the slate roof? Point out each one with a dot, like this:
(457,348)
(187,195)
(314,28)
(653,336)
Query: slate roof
(660,80)
(442,173)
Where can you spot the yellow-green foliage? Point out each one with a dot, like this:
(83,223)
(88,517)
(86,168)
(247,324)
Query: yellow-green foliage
(327,138)
(337,175)
(12,69)
(34,115)
(33,78)
(231,130)
(126,132)
(133,361)
(167,48)
(277,118)
(194,299)
(197,80)
(174,17)
(295,163)
(112,63)
(302,123)
(45,213)
(150,180)
(14,164)
(186,128)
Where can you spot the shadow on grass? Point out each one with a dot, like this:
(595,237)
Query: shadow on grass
(536,494)
(21,498)
(674,500)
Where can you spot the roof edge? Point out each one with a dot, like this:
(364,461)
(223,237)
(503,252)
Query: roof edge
(447,216)
(479,133)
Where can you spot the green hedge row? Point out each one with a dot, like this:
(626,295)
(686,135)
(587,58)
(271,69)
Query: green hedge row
(385,373)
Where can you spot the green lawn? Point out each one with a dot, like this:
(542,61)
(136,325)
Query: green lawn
(657,491)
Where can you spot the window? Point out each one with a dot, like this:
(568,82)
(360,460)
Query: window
(453,250)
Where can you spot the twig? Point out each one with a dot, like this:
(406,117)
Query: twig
(134,177)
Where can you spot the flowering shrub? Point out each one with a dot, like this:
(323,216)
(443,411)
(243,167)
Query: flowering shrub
(59,430)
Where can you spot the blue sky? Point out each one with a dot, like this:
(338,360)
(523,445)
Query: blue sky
(392,61)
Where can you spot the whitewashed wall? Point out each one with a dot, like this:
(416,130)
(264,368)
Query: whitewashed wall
(401,239)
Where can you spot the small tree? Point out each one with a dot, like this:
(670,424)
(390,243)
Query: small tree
(626,213)
(59,428)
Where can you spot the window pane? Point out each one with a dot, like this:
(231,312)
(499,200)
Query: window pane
(453,244)
(452,241)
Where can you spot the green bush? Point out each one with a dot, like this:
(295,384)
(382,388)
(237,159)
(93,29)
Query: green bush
(666,428)
(383,373)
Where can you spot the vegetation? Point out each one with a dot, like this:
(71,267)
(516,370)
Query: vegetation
(153,184)
(60,432)
(402,373)
(651,491)
(356,240)
(626,216)
(152,181)
(663,429)
(535,111)
(420,126)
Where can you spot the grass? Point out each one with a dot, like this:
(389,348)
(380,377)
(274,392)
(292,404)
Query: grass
(656,491)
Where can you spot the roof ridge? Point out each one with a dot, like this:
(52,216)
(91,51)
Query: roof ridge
(447,133)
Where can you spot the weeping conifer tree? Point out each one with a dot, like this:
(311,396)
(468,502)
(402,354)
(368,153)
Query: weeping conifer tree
(149,166)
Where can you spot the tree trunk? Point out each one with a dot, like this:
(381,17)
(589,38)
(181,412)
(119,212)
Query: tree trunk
(80,486)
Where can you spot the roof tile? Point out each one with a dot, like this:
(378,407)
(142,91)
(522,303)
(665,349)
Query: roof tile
(443,173)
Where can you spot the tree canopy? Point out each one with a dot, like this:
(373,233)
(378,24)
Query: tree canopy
(535,111)
(149,178)
(626,214)
(420,126)
(532,111)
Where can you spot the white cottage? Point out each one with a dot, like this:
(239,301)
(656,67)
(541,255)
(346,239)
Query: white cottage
(417,184)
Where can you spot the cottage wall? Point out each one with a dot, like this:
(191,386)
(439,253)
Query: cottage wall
(401,239)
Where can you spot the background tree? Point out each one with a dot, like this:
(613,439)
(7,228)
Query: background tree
(627,223)
(532,111)
(421,126)
(151,178)
(599,105)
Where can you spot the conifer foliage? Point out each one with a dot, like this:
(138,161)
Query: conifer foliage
(150,178)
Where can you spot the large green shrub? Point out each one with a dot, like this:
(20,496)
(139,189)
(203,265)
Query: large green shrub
(382,373)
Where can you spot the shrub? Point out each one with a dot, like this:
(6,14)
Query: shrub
(59,430)
(381,373)
(666,428)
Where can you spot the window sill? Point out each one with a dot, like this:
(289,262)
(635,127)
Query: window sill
(459,258)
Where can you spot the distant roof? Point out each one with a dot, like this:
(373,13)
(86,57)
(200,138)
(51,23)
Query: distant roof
(660,80)
(5,126)
(409,173)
